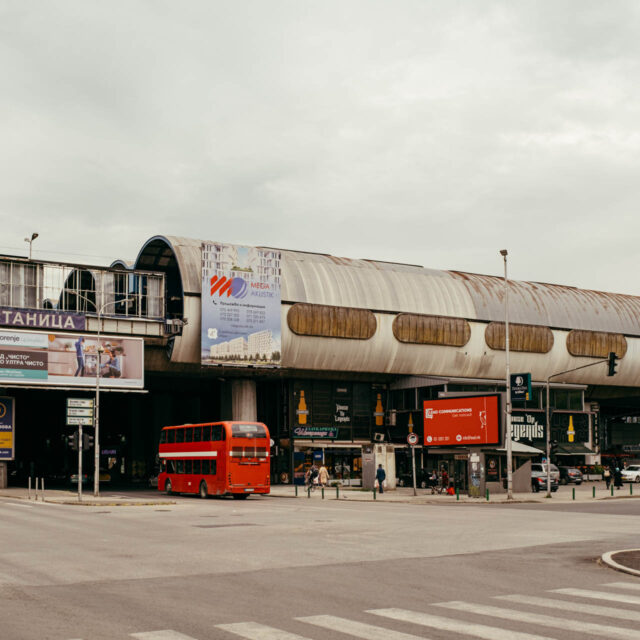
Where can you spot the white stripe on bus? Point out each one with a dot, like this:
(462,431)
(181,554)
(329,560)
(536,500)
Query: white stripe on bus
(190,454)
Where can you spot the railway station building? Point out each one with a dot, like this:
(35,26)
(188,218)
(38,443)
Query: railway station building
(335,355)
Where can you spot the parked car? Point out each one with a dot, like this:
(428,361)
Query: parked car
(631,473)
(539,477)
(570,474)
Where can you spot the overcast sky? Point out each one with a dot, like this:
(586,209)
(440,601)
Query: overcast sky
(434,133)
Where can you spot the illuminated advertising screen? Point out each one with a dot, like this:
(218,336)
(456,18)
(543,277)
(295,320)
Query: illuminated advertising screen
(462,421)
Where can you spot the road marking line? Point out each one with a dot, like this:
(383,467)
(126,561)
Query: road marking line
(607,631)
(620,598)
(623,585)
(166,634)
(256,631)
(358,629)
(574,607)
(447,624)
(17,504)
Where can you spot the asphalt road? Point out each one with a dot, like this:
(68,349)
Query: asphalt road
(283,569)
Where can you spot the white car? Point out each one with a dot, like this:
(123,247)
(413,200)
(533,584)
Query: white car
(631,473)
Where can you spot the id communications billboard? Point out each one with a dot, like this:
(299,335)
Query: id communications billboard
(462,421)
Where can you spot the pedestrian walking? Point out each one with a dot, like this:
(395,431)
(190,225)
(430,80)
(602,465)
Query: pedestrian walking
(607,476)
(323,476)
(617,478)
(445,479)
(381,476)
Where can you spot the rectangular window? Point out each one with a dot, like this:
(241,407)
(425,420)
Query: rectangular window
(197,434)
(163,436)
(171,436)
(179,466)
(248,430)
(206,433)
(179,435)
(188,436)
(217,432)
(188,466)
(171,466)
(197,466)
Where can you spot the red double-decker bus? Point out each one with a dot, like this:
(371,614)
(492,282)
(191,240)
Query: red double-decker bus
(215,458)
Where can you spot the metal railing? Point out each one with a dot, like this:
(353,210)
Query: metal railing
(81,289)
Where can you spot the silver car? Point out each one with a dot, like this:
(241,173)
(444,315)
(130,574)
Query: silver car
(539,476)
(631,473)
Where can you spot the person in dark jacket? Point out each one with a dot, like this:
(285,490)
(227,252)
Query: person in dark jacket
(380,477)
(617,478)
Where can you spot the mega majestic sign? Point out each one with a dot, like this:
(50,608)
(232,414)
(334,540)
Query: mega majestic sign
(41,319)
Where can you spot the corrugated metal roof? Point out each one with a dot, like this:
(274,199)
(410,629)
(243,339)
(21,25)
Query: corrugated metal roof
(395,288)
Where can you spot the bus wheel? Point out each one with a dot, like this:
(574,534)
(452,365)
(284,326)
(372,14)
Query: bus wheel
(240,496)
(167,487)
(203,490)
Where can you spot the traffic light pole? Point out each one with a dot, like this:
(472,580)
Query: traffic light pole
(548,412)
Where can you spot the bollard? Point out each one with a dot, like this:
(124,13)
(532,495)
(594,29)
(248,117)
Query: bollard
(374,493)
(593,490)
(29,489)
(322,491)
(611,490)
(457,493)
(337,492)
(296,486)
(42,489)
(36,491)
(630,489)
(574,493)
(487,495)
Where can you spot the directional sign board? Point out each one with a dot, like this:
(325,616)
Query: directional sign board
(79,411)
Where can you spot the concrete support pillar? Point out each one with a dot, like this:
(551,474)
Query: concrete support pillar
(244,401)
(4,476)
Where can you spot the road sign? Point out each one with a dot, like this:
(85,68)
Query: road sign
(76,420)
(412,439)
(72,411)
(80,403)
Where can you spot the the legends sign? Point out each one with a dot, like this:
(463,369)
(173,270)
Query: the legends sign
(324,433)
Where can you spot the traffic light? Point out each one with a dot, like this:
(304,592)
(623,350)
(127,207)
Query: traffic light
(613,363)
(72,441)
(87,441)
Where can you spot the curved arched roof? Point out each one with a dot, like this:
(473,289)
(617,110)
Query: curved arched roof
(395,288)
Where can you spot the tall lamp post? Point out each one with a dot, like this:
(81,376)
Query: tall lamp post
(96,459)
(504,253)
(30,241)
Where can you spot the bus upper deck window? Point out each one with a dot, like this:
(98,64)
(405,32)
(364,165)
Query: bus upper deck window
(179,435)
(206,433)
(163,436)
(197,434)
(171,436)
(188,436)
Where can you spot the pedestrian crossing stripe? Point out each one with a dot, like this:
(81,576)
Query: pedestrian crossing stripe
(632,586)
(255,631)
(546,621)
(166,634)
(573,607)
(358,629)
(621,598)
(457,626)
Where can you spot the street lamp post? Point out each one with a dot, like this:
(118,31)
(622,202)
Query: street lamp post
(504,253)
(96,459)
(96,410)
(30,241)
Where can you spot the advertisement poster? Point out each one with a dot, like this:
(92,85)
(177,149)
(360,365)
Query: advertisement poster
(461,421)
(240,305)
(67,359)
(7,427)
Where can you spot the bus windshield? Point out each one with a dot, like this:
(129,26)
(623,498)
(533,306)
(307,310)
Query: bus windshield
(248,430)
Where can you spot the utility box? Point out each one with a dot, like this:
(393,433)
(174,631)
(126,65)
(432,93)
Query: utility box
(372,456)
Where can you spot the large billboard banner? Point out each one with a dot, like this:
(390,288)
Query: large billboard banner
(7,428)
(67,359)
(240,305)
(462,421)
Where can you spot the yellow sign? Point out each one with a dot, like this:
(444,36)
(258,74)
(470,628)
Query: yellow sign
(6,440)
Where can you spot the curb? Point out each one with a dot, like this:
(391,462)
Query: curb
(108,504)
(607,558)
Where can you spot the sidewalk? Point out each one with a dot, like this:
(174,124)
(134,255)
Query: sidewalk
(125,498)
(565,494)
